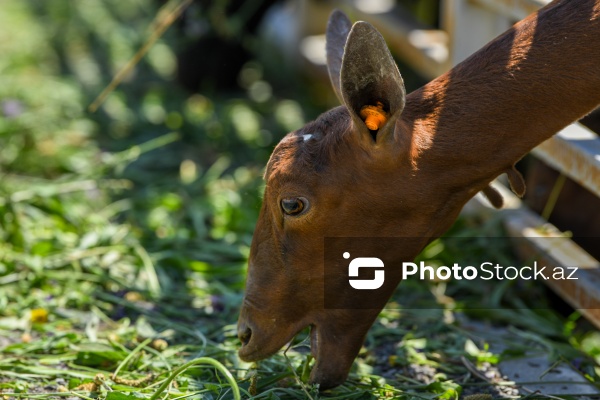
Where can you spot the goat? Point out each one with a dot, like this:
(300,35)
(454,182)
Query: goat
(410,172)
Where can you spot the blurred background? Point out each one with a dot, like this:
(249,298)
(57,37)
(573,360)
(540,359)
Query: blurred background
(166,173)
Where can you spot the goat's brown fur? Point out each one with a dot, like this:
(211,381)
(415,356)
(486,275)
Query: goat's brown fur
(440,145)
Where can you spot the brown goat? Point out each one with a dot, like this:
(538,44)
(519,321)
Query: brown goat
(435,149)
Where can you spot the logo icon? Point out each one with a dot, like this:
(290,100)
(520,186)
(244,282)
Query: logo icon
(365,262)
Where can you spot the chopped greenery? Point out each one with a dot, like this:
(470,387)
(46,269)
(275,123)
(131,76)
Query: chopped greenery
(124,233)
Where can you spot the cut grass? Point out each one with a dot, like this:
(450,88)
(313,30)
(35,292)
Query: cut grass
(124,237)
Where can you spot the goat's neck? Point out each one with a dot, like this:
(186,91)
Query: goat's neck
(476,121)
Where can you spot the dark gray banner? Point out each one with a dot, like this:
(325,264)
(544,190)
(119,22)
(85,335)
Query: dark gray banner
(464,272)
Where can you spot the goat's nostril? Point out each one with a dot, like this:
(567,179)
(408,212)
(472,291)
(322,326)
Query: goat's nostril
(244,334)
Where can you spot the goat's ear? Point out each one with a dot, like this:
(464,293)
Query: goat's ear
(371,83)
(338,29)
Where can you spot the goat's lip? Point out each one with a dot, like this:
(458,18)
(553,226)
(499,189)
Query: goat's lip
(262,346)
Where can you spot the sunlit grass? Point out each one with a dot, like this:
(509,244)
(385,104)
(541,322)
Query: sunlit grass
(124,234)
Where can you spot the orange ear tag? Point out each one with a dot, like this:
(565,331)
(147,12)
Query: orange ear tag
(374,116)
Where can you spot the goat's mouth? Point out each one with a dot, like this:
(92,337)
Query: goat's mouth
(260,349)
(330,368)
(260,345)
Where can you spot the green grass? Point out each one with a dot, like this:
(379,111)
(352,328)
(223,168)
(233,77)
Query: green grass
(124,234)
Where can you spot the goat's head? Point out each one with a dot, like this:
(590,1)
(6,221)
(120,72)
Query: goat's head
(336,177)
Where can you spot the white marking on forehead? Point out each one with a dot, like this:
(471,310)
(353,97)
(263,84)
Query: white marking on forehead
(307,137)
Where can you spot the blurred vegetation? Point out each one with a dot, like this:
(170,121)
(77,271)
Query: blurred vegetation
(131,225)
(152,198)
(201,185)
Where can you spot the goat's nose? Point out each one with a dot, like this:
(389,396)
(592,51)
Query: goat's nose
(244,333)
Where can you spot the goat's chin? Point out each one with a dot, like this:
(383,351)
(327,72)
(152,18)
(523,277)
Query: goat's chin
(332,363)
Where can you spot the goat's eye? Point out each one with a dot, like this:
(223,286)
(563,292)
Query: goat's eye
(293,205)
